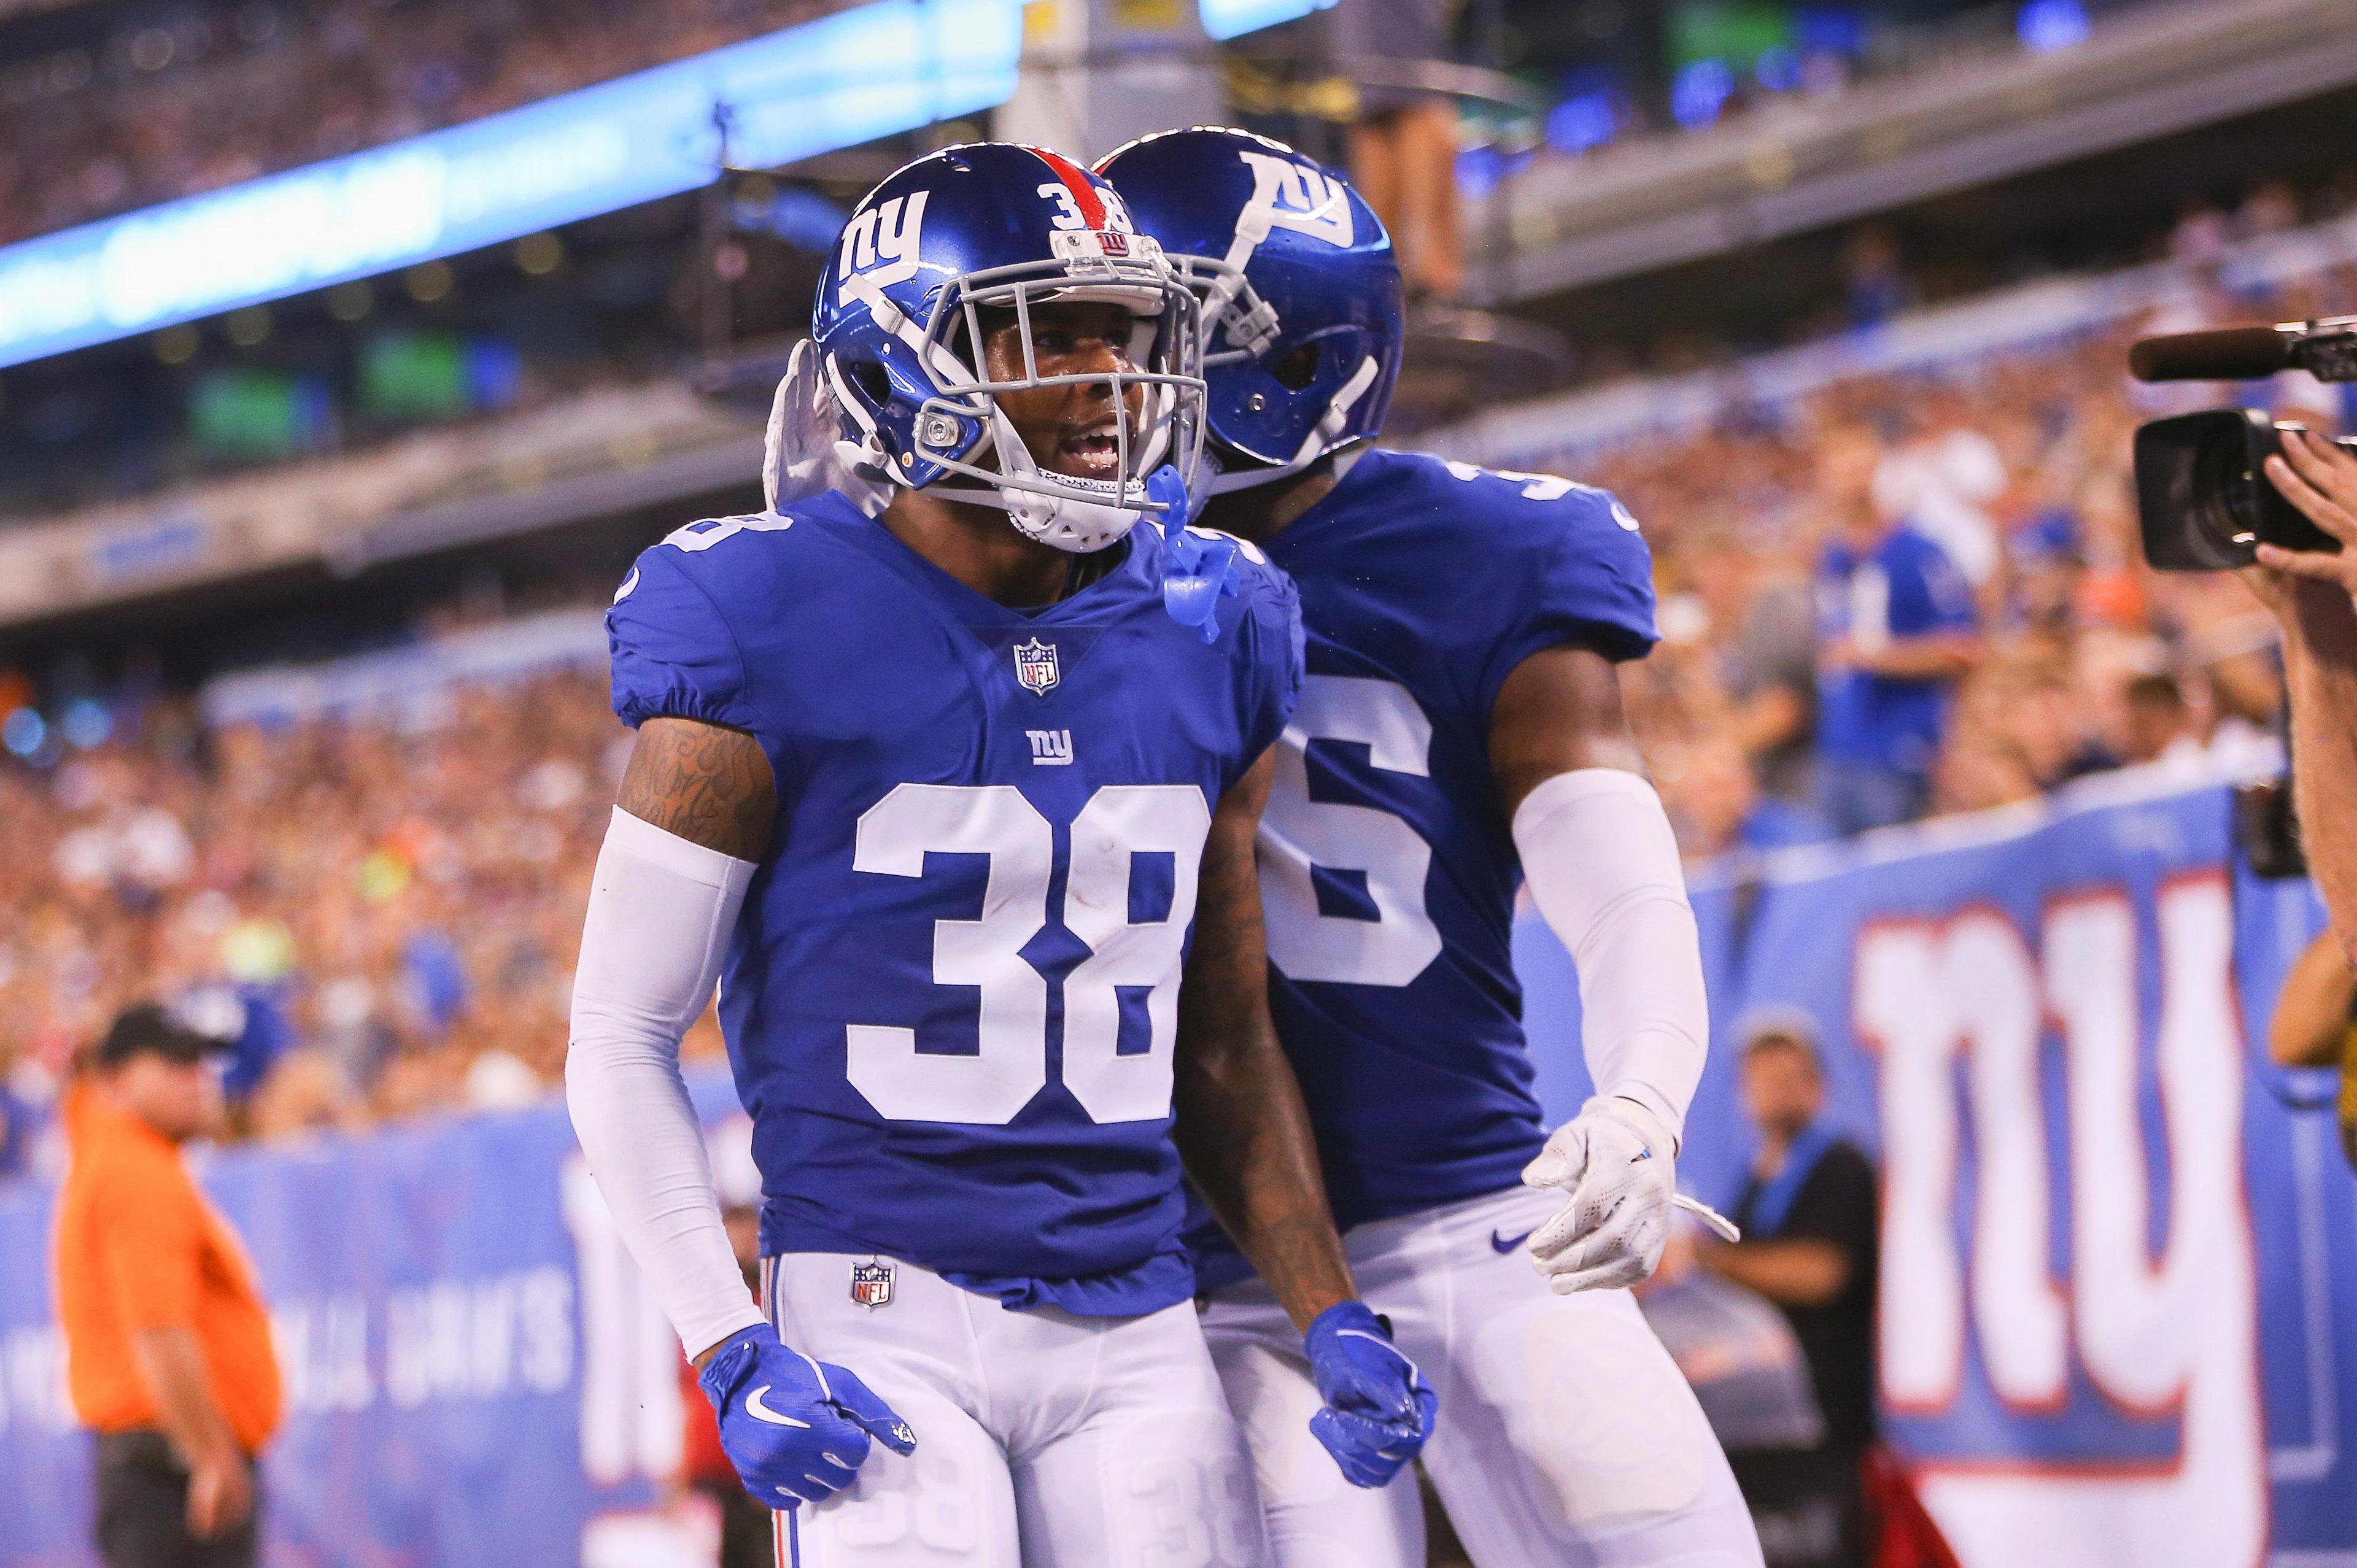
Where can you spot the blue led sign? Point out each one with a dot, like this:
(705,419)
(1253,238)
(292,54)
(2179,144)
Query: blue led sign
(846,78)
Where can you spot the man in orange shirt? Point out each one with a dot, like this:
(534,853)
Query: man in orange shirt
(168,1347)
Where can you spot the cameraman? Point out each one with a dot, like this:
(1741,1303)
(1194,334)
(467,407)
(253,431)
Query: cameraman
(2313,596)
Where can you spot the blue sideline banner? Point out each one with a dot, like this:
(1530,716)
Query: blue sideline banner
(2118,1321)
(475,1372)
(2118,1289)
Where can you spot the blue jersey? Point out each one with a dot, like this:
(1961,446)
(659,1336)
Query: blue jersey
(1388,868)
(1904,586)
(950,998)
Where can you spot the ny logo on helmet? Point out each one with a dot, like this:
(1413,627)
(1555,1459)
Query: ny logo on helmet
(1289,195)
(879,246)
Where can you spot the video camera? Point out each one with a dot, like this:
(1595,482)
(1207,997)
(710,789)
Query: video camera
(2204,502)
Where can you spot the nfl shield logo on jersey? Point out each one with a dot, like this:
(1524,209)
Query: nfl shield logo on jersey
(1035,666)
(871,1285)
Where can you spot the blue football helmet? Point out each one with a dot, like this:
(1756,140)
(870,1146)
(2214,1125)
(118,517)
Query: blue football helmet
(1301,295)
(898,329)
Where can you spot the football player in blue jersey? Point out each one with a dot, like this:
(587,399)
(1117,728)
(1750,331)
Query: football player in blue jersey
(1460,732)
(948,773)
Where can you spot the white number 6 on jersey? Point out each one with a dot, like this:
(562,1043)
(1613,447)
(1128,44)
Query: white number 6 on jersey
(1297,833)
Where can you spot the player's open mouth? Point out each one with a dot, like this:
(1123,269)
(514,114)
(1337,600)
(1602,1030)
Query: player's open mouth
(1094,453)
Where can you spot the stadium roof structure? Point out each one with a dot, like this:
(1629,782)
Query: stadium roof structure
(853,77)
(1801,164)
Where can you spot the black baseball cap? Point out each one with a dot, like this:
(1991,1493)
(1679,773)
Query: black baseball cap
(151,1028)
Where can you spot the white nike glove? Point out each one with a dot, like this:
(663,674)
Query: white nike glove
(1618,1164)
(804,454)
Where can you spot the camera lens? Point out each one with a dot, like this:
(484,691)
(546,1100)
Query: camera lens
(2225,493)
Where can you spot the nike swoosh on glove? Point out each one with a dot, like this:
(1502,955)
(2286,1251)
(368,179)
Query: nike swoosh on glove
(797,1429)
(1616,1161)
(1378,1410)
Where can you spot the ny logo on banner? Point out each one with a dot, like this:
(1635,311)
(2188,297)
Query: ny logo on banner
(2050,1300)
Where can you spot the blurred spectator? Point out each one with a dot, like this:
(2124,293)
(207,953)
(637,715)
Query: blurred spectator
(1767,636)
(1811,1235)
(1721,809)
(1403,145)
(1943,482)
(1877,285)
(15,1132)
(2315,1025)
(306,1092)
(167,1342)
(1748,1344)
(2049,727)
(1981,771)
(1898,626)
(2156,726)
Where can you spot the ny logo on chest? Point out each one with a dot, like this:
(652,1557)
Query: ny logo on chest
(1050,747)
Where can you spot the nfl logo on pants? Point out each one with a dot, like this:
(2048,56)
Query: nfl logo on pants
(871,1285)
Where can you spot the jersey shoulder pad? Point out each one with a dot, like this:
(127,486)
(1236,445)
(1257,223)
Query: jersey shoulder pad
(1257,577)
(752,555)
(1588,569)
(1272,647)
(1536,510)
(669,632)
(1265,589)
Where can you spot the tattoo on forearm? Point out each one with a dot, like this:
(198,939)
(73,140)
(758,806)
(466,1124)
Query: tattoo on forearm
(1242,1128)
(708,784)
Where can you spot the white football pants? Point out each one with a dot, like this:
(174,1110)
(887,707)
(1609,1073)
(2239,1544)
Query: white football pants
(1567,1434)
(1044,1440)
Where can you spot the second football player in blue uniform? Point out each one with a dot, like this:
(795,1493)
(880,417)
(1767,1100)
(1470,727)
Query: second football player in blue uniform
(1460,732)
(949,770)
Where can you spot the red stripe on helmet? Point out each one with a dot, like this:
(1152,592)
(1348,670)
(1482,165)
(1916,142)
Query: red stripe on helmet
(1076,180)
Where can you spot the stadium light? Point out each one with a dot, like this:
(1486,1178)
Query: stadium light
(1225,19)
(872,71)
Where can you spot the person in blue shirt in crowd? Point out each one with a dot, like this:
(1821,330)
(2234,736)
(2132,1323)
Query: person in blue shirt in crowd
(1897,627)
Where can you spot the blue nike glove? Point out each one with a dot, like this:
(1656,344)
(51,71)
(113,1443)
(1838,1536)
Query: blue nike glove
(1378,1410)
(797,1429)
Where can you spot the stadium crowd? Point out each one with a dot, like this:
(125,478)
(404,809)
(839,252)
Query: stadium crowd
(1926,596)
(152,105)
(1897,598)
(384,915)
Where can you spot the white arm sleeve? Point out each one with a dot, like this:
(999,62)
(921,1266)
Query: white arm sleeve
(1602,864)
(659,913)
